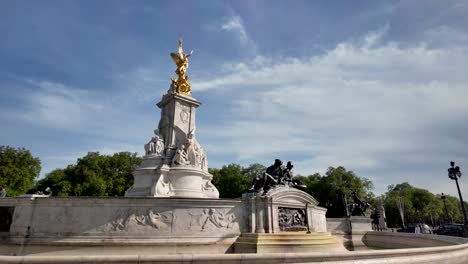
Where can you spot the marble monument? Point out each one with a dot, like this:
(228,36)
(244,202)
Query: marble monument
(172,207)
(175,165)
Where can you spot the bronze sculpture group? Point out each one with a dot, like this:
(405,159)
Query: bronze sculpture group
(276,175)
(359,207)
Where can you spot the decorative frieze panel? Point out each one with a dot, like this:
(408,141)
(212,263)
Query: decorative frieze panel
(292,219)
(213,220)
(134,220)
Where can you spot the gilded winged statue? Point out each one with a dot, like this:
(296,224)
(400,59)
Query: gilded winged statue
(181,60)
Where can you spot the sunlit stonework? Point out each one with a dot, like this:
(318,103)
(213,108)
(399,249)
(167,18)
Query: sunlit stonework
(175,164)
(181,84)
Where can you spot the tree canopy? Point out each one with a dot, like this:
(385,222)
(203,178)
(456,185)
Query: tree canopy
(419,205)
(334,189)
(111,175)
(18,170)
(93,175)
(231,180)
(331,190)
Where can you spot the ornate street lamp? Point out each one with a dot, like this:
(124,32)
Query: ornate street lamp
(454,173)
(444,198)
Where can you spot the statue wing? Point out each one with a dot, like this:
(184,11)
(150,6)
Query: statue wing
(176,58)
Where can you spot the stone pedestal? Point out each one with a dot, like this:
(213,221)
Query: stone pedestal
(360,224)
(291,242)
(285,219)
(175,165)
(284,209)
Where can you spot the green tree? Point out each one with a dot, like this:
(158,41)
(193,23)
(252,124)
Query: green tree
(231,181)
(93,175)
(253,171)
(18,170)
(419,205)
(334,189)
(453,208)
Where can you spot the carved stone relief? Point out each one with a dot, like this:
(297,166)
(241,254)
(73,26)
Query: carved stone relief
(209,188)
(163,186)
(132,220)
(213,220)
(184,113)
(155,147)
(191,153)
(292,219)
(180,157)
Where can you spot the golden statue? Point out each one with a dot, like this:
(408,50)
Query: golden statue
(181,60)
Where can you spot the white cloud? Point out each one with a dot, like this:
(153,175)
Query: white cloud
(58,106)
(365,105)
(235,24)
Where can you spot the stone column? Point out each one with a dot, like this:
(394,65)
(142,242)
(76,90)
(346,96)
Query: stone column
(177,119)
(268,216)
(260,217)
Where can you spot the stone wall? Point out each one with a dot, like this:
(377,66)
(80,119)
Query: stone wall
(154,225)
(110,221)
(455,254)
(408,240)
(339,226)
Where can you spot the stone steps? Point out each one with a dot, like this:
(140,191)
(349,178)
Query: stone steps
(286,242)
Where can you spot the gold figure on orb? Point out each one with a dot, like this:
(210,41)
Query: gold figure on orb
(181,60)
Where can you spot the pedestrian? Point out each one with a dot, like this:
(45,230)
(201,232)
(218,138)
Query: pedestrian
(2,192)
(417,229)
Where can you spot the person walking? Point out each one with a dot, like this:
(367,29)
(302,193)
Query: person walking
(417,229)
(2,192)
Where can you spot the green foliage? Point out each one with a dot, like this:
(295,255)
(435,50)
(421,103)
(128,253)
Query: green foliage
(419,206)
(93,175)
(231,181)
(254,171)
(18,170)
(329,190)
(334,189)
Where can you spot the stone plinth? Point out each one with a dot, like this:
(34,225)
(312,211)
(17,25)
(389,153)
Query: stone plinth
(360,224)
(154,225)
(164,225)
(291,242)
(284,208)
(175,165)
(339,226)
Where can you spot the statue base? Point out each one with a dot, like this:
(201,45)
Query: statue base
(177,182)
(175,164)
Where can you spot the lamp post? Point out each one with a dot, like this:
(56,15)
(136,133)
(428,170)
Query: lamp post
(454,173)
(444,198)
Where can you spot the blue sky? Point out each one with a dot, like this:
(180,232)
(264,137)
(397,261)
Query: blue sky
(379,87)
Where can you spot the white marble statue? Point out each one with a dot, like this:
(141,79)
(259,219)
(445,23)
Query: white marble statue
(155,147)
(195,153)
(180,157)
(149,147)
(191,150)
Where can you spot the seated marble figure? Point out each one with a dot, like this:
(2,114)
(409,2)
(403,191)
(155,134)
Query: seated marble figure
(275,175)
